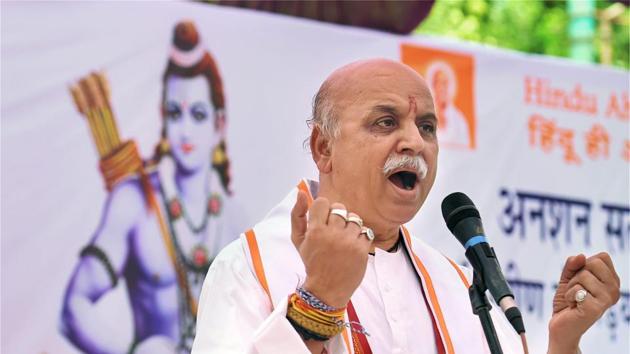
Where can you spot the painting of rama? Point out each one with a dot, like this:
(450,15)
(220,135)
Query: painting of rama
(165,218)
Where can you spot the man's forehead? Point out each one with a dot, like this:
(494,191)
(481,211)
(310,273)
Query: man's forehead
(421,108)
(371,64)
(377,76)
(372,69)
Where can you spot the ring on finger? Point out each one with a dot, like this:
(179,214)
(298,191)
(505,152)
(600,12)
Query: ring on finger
(355,219)
(580,295)
(368,233)
(340,212)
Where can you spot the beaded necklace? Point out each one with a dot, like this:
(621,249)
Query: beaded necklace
(199,259)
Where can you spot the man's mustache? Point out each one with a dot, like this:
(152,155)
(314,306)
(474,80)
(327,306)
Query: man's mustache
(402,161)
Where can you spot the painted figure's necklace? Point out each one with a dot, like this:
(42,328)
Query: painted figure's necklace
(198,259)
(202,241)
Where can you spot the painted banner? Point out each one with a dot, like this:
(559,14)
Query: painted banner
(138,140)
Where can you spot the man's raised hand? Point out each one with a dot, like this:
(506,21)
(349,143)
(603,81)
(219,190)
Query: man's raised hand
(334,251)
(570,320)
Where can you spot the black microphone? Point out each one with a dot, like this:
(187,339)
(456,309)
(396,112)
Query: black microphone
(463,220)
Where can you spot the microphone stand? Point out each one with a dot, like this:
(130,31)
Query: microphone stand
(481,307)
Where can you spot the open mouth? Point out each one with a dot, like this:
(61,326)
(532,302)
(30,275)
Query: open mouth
(404,180)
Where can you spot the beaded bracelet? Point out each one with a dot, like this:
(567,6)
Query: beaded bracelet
(314,301)
(312,323)
(314,319)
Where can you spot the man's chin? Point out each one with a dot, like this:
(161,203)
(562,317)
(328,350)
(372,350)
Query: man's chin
(402,214)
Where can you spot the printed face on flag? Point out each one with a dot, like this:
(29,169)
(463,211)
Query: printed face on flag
(189,119)
(443,83)
(451,78)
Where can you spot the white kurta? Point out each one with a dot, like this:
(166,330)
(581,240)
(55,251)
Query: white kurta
(396,325)
(235,313)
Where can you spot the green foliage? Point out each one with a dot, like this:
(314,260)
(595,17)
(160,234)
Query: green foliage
(532,26)
(621,40)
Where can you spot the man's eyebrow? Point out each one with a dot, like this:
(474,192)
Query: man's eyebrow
(384,108)
(427,116)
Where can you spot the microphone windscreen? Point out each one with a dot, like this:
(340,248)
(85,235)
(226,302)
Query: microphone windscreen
(456,207)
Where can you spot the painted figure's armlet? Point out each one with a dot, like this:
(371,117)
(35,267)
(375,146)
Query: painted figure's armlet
(95,251)
(120,164)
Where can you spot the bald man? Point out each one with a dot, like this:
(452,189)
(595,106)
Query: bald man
(336,251)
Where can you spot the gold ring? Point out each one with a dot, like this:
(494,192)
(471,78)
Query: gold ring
(355,219)
(368,233)
(340,212)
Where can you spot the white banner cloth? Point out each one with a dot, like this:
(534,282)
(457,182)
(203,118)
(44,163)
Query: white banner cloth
(540,144)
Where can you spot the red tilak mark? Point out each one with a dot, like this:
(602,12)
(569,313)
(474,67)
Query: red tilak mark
(412,105)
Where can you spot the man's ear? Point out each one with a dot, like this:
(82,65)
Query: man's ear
(320,149)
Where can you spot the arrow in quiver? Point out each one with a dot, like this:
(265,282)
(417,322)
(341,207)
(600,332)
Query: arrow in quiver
(118,160)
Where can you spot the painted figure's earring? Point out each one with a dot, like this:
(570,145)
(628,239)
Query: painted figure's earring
(164,146)
(218,156)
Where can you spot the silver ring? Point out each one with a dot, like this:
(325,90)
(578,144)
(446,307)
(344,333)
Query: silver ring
(355,219)
(580,295)
(340,212)
(367,232)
